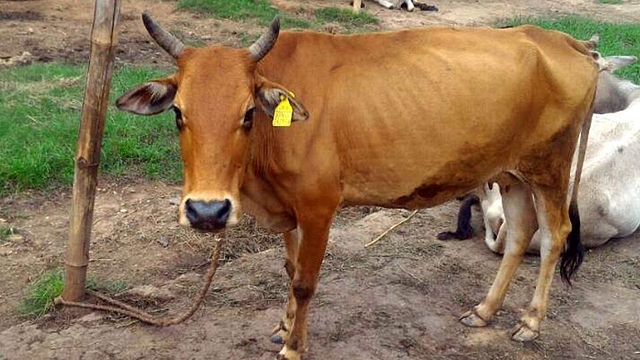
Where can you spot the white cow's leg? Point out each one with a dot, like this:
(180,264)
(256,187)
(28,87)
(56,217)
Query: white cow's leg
(281,332)
(520,223)
(409,5)
(554,226)
(385,3)
(496,243)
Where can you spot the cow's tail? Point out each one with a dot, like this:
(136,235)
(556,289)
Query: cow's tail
(464,230)
(574,250)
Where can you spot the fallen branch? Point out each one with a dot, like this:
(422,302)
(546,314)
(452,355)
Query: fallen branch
(128,310)
(390,229)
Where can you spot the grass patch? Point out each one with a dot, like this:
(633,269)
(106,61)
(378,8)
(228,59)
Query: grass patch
(5,232)
(260,10)
(41,105)
(264,12)
(612,2)
(345,17)
(114,286)
(615,38)
(236,10)
(42,293)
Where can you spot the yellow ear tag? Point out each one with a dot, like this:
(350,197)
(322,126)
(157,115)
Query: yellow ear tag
(283,113)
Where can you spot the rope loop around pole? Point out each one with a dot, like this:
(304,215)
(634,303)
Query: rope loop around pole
(119,307)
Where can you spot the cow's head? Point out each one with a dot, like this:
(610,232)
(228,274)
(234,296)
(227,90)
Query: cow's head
(215,94)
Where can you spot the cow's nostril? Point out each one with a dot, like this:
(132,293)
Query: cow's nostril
(191,213)
(208,215)
(225,209)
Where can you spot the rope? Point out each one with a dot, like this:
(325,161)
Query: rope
(128,310)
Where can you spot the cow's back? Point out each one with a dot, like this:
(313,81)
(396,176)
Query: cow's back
(413,118)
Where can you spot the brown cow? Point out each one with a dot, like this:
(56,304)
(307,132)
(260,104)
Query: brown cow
(528,89)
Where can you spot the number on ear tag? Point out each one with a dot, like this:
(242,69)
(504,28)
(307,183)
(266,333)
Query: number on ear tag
(283,113)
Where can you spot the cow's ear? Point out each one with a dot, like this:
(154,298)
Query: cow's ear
(614,63)
(271,94)
(150,98)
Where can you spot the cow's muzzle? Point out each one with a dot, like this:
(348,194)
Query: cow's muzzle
(208,215)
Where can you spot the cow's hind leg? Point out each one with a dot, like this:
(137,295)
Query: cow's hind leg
(281,332)
(520,221)
(554,226)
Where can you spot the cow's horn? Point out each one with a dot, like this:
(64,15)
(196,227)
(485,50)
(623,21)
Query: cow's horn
(592,43)
(168,42)
(261,47)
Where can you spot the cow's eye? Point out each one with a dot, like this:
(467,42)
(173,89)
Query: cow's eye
(247,123)
(179,121)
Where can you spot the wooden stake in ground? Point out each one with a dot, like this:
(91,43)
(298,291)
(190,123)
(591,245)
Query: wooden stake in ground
(356,5)
(94,107)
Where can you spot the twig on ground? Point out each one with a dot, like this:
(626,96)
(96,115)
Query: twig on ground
(410,274)
(390,229)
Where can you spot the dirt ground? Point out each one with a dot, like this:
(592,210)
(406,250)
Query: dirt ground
(399,299)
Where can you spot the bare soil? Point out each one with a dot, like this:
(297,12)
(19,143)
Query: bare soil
(398,299)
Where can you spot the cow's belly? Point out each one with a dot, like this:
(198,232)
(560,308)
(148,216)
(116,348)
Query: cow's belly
(410,188)
(424,195)
(413,173)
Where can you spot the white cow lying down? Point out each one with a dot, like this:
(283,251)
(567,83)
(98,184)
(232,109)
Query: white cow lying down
(394,4)
(609,194)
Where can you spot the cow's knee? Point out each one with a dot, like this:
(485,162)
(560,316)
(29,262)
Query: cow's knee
(303,291)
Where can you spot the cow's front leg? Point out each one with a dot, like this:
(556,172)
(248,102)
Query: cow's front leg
(312,243)
(281,332)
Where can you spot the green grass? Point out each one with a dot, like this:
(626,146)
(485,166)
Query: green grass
(345,17)
(42,293)
(5,232)
(260,10)
(113,286)
(263,12)
(40,106)
(236,10)
(613,2)
(615,38)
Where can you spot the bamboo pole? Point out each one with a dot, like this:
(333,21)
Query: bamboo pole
(103,45)
(356,5)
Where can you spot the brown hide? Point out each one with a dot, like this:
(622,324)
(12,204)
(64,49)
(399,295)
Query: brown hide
(413,118)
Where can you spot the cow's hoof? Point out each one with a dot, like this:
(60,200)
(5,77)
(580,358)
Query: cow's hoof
(286,354)
(280,334)
(472,319)
(523,333)
(277,339)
